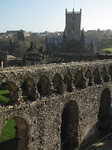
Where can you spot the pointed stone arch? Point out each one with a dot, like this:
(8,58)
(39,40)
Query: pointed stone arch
(57,83)
(79,82)
(20,138)
(68,81)
(11,89)
(104,111)
(28,89)
(4,93)
(105,75)
(88,77)
(97,78)
(110,71)
(21,133)
(69,126)
(44,85)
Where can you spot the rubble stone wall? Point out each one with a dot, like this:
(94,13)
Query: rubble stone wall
(50,85)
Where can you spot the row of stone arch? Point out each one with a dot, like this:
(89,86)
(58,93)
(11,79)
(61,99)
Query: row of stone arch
(45,86)
(70,122)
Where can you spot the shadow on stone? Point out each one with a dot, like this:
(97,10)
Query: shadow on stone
(9,145)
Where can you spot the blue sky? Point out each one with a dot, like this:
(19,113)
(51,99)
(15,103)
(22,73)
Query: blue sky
(49,15)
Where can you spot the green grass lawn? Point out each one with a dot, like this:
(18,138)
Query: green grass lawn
(4,95)
(104,51)
(8,131)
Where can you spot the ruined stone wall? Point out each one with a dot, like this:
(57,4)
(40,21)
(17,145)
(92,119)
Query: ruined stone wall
(47,58)
(55,86)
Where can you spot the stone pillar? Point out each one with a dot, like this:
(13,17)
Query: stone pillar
(35,93)
(19,94)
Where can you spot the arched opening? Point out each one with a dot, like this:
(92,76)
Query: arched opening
(68,81)
(28,89)
(13,91)
(4,93)
(89,77)
(69,127)
(79,82)
(97,78)
(14,135)
(44,85)
(104,111)
(8,92)
(110,71)
(105,75)
(57,82)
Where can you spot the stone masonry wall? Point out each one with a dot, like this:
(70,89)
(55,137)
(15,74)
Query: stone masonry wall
(44,114)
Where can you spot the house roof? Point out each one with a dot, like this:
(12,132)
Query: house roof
(88,40)
(59,40)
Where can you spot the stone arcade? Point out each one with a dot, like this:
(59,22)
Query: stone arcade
(66,105)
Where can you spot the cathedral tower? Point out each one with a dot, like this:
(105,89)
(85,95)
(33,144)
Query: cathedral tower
(73,22)
(73,40)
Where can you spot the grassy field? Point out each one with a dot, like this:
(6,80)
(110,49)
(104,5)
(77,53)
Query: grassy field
(107,50)
(8,131)
(106,46)
(4,95)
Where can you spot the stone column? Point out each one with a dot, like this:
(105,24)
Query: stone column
(19,94)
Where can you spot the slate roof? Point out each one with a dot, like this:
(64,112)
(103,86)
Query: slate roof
(89,39)
(59,40)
